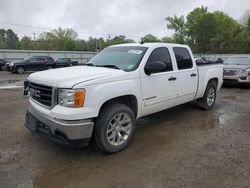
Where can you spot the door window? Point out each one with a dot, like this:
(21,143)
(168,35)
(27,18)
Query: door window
(40,59)
(183,58)
(161,54)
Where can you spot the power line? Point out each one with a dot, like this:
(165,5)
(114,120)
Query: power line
(108,35)
(23,25)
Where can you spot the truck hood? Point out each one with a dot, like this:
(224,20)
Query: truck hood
(242,67)
(70,76)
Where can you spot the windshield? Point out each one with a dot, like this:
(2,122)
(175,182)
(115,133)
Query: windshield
(237,61)
(27,58)
(126,58)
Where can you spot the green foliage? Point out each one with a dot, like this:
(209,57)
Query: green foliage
(8,39)
(208,32)
(25,43)
(150,38)
(178,25)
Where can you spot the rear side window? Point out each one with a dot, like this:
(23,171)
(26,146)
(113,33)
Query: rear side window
(183,58)
(50,59)
(161,54)
(40,59)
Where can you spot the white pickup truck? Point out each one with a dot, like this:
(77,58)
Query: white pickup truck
(122,83)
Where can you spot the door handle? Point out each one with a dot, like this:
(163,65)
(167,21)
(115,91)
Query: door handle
(172,78)
(193,75)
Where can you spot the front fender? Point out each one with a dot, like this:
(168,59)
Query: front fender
(98,94)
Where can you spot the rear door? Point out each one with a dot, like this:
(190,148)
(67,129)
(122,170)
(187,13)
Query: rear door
(187,75)
(31,64)
(41,63)
(159,89)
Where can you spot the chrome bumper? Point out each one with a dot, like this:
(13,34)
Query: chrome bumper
(64,131)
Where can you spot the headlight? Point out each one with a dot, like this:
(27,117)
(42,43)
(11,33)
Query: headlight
(246,71)
(11,64)
(71,97)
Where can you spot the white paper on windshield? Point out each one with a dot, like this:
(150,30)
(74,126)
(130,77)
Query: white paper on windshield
(135,52)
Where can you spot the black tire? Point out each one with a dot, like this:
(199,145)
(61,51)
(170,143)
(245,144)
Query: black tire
(206,102)
(20,70)
(103,122)
(2,68)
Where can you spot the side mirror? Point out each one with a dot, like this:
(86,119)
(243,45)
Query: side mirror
(155,67)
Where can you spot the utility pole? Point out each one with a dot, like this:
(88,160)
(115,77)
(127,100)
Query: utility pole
(34,36)
(109,37)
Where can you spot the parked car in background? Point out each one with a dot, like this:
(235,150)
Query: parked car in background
(34,63)
(237,70)
(65,62)
(120,84)
(2,64)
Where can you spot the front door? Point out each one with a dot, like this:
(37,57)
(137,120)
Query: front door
(159,90)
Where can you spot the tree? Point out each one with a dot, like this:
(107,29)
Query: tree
(167,40)
(121,39)
(11,39)
(244,18)
(201,27)
(62,39)
(8,39)
(227,29)
(25,43)
(150,38)
(3,44)
(178,25)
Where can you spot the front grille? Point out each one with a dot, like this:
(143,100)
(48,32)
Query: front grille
(228,72)
(41,93)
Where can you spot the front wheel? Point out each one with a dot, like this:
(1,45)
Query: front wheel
(209,97)
(114,128)
(20,70)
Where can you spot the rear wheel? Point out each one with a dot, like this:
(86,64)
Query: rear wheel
(209,97)
(20,70)
(114,128)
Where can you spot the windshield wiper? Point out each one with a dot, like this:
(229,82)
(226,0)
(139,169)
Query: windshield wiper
(108,66)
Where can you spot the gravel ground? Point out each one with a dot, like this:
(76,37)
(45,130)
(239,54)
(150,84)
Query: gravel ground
(178,147)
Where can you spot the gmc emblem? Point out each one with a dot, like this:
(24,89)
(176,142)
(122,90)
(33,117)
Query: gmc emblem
(34,93)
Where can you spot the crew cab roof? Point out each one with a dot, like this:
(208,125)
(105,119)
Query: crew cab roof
(153,45)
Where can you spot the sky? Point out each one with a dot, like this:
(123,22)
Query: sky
(99,18)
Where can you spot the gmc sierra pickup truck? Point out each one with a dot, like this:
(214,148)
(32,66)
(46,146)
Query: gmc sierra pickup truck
(103,99)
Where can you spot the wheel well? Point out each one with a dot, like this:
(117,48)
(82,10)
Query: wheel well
(129,100)
(214,80)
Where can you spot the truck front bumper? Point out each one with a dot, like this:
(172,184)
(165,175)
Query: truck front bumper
(237,79)
(76,133)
